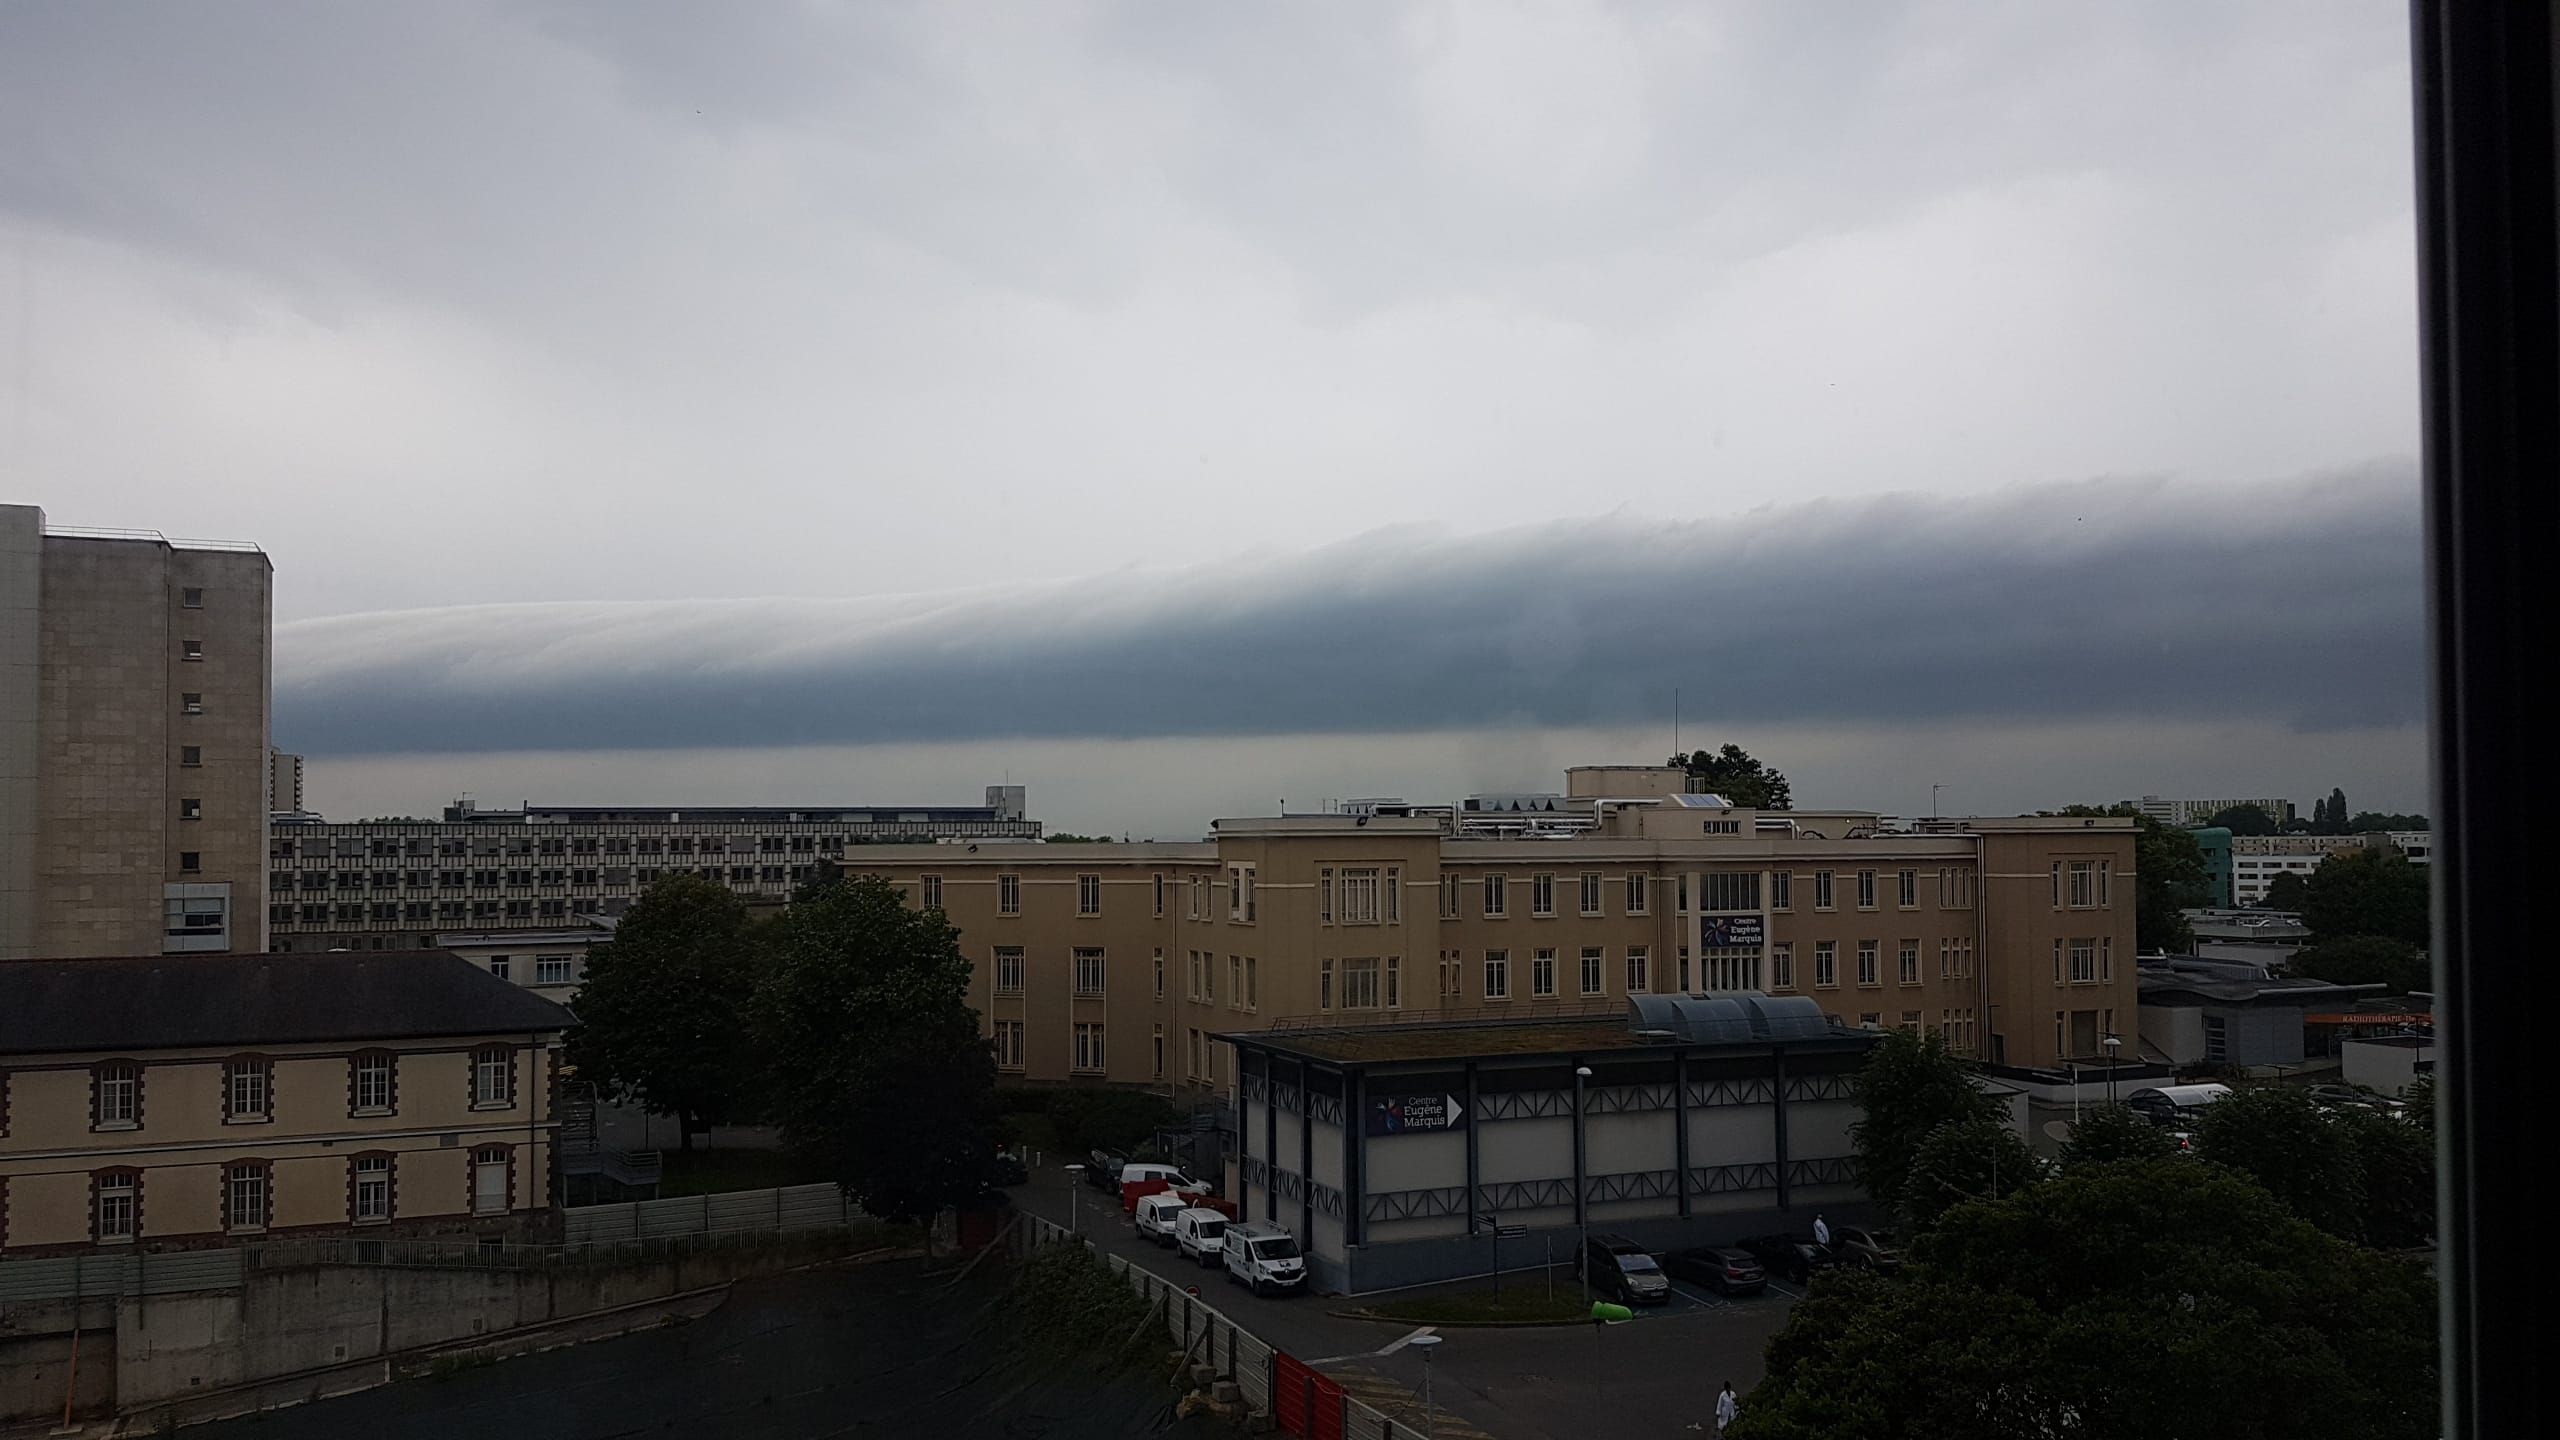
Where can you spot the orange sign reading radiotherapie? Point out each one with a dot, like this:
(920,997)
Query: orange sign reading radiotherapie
(2363,1019)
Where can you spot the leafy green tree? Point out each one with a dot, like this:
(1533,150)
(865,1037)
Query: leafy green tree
(2366,960)
(2420,1097)
(2115,1302)
(2278,1138)
(880,1077)
(1732,773)
(1966,1160)
(2113,1132)
(2168,878)
(662,1014)
(1069,837)
(1909,1086)
(2396,1162)
(2243,820)
(2286,892)
(2337,810)
(2367,892)
(2367,821)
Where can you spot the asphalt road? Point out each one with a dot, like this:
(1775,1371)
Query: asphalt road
(1653,1376)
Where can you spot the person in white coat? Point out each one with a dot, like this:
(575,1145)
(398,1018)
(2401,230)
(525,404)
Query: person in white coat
(1726,1408)
(1821,1231)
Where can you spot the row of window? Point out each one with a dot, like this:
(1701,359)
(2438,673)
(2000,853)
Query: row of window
(2088,960)
(117,1098)
(1087,1037)
(247,1194)
(1720,892)
(289,847)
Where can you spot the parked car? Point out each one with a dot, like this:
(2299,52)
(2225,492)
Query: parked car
(1200,1235)
(1141,1178)
(1261,1256)
(1720,1268)
(1624,1270)
(1009,1170)
(1788,1257)
(1102,1171)
(1156,1214)
(1857,1245)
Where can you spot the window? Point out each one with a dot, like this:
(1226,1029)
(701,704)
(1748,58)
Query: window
(1196,899)
(244,1196)
(1639,969)
(1911,1021)
(190,703)
(1639,889)
(190,862)
(930,887)
(248,1091)
(190,809)
(2107,958)
(1088,894)
(2084,962)
(1782,966)
(1592,969)
(1395,980)
(1907,889)
(1542,974)
(369,1189)
(2105,895)
(190,598)
(1955,889)
(190,649)
(1448,897)
(1822,890)
(1730,891)
(191,756)
(1359,896)
(1159,974)
(1683,902)
(1008,1044)
(1252,986)
(1782,890)
(551,970)
(1089,1055)
(1395,895)
(1866,889)
(2084,884)
(1955,959)
(1867,962)
(492,1180)
(1591,892)
(1324,896)
(116,1218)
(1008,969)
(493,1077)
(1240,900)
(1497,896)
(1235,982)
(1909,962)
(1324,984)
(115,1090)
(498,966)
(1360,984)
(2057,904)
(1008,894)
(1732,967)
(1826,964)
(1088,971)
(1159,914)
(1208,976)
(1159,1073)
(1497,974)
(1542,894)
(372,1083)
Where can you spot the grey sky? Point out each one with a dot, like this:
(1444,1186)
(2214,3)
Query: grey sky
(665,304)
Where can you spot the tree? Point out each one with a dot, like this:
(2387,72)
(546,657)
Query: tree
(2368,821)
(2168,878)
(2396,1160)
(1732,773)
(880,1077)
(2278,1138)
(662,1014)
(1966,1160)
(2285,892)
(2113,1132)
(2243,820)
(1069,837)
(1910,1085)
(2367,892)
(2367,960)
(2116,1301)
(2337,810)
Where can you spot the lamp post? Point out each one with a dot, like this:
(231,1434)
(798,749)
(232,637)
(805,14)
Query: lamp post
(1426,1344)
(1075,1193)
(2113,1043)
(1581,1187)
(2075,1090)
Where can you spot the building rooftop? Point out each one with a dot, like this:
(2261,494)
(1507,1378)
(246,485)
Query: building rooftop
(1584,1032)
(2234,982)
(159,1002)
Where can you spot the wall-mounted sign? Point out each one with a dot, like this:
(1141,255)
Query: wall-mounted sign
(1729,930)
(1400,1114)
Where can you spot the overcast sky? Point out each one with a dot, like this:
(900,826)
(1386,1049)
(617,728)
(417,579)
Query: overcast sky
(1176,405)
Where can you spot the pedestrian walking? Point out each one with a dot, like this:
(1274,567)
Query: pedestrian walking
(1726,1408)
(1821,1230)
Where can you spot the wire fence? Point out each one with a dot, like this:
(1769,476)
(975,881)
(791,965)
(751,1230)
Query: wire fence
(1301,1400)
(77,1277)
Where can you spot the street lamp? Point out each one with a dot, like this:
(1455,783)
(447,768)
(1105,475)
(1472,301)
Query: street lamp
(1426,1344)
(2075,1090)
(2113,1043)
(1075,1192)
(1581,1201)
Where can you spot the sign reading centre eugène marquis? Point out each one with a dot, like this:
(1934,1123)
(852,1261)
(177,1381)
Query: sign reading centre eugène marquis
(1404,1114)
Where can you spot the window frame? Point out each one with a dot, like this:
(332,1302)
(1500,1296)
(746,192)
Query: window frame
(483,1059)
(100,1079)
(358,1106)
(259,1073)
(127,1179)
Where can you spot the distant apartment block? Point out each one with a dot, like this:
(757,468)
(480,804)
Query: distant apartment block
(1122,963)
(284,783)
(395,885)
(2187,814)
(2256,860)
(134,685)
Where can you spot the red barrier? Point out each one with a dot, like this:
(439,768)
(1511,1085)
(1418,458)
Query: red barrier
(1306,1403)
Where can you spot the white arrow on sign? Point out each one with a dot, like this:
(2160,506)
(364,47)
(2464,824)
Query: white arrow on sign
(1457,1112)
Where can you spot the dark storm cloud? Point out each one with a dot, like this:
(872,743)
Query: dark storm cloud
(2296,603)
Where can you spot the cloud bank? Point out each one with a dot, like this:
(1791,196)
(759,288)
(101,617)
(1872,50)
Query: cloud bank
(2294,602)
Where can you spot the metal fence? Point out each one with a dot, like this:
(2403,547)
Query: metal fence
(791,1207)
(81,1276)
(1301,1401)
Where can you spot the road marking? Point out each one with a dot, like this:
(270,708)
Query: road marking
(1389,1348)
(1789,1291)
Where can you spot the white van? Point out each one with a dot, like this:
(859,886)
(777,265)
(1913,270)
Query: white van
(1199,1233)
(1263,1256)
(1156,1215)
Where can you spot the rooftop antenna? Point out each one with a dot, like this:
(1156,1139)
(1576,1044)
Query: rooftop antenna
(1675,719)
(1933,800)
